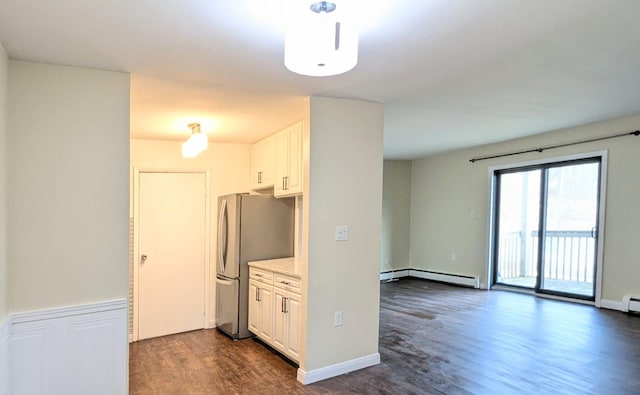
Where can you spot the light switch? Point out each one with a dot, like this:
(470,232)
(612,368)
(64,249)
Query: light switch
(337,318)
(342,233)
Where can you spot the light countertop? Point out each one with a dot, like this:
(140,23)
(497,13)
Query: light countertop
(290,266)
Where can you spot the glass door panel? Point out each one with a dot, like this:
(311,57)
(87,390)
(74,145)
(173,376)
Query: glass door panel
(570,229)
(518,222)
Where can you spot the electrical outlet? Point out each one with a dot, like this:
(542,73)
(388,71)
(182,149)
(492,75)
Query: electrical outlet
(342,233)
(337,318)
(453,257)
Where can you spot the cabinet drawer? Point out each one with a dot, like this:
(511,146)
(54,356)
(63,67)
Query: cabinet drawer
(287,282)
(262,276)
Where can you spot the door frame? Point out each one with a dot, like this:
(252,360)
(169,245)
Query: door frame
(603,154)
(136,240)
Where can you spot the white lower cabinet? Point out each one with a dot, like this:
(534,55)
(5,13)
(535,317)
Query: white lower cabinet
(274,311)
(286,325)
(261,309)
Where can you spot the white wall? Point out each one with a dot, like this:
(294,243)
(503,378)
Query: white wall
(445,188)
(229,166)
(4,79)
(68,185)
(344,188)
(396,207)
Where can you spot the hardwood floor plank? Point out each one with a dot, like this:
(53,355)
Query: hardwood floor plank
(434,339)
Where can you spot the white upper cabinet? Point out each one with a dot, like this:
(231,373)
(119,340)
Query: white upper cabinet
(288,161)
(262,163)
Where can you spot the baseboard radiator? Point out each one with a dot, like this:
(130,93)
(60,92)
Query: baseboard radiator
(632,304)
(457,279)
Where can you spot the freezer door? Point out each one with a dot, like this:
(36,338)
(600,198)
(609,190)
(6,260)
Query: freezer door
(228,251)
(227,300)
(267,228)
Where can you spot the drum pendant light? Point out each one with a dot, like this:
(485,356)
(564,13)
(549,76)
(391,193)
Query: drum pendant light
(321,41)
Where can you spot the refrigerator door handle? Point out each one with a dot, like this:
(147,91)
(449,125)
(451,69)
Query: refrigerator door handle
(223,282)
(222,235)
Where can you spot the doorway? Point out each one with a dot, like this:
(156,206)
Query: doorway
(546,219)
(170,265)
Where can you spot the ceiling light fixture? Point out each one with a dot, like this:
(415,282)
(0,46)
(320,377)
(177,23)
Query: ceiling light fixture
(196,143)
(322,41)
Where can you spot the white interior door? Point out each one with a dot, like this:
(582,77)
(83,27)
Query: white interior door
(171,276)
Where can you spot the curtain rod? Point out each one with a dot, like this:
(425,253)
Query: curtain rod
(635,133)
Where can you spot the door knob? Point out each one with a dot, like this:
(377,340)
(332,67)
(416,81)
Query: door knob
(143,258)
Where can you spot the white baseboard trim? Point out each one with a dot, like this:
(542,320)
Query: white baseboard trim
(628,304)
(394,274)
(613,305)
(212,324)
(73,349)
(338,369)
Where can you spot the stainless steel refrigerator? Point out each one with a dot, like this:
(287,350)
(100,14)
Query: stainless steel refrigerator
(250,228)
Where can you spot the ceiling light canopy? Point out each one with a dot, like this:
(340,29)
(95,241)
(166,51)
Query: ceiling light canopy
(196,143)
(321,39)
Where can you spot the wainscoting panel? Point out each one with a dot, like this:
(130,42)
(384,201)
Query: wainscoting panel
(71,350)
(4,357)
(91,355)
(27,353)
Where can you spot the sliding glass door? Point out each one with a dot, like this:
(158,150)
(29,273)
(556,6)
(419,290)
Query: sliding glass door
(546,227)
(518,220)
(570,229)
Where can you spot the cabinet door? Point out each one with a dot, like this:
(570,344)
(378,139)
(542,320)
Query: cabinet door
(280,320)
(256,159)
(281,162)
(262,162)
(288,173)
(268,161)
(292,309)
(254,308)
(265,294)
(293,182)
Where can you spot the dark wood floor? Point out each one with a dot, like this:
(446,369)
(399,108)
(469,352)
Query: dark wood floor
(434,339)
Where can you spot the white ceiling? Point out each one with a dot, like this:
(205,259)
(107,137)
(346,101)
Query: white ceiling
(451,73)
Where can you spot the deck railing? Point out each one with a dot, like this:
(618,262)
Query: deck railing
(569,255)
